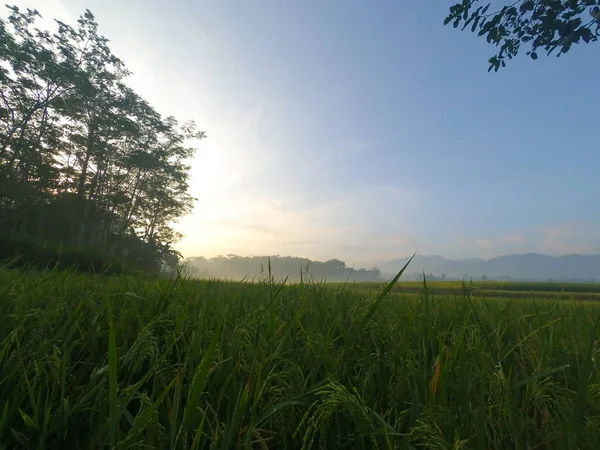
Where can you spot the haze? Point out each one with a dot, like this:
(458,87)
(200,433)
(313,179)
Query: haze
(363,131)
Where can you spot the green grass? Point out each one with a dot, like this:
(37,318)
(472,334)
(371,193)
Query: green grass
(119,361)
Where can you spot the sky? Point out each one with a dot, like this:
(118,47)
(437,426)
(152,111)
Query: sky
(364,131)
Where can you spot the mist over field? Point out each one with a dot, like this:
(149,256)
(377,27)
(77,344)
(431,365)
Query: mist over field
(534,267)
(233,267)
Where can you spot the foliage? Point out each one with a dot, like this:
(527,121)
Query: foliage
(25,252)
(119,361)
(540,24)
(84,161)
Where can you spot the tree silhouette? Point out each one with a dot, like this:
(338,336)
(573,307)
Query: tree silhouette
(551,25)
(85,162)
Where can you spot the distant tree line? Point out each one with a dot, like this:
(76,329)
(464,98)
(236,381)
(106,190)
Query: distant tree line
(85,162)
(255,267)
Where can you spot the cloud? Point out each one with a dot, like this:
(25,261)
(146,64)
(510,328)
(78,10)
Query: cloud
(489,247)
(515,239)
(393,240)
(484,243)
(336,228)
(502,241)
(231,223)
(571,238)
(556,239)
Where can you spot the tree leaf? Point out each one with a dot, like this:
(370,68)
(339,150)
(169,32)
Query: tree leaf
(547,24)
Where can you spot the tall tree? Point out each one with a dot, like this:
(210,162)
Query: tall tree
(551,25)
(84,160)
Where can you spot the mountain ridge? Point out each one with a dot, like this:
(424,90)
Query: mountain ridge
(515,266)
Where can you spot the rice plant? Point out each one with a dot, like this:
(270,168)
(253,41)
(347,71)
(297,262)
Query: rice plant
(121,361)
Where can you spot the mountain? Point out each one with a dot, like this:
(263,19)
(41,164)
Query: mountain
(530,266)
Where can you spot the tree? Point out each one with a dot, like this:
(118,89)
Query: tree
(538,24)
(84,160)
(335,265)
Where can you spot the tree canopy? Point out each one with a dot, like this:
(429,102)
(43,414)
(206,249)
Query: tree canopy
(551,25)
(84,160)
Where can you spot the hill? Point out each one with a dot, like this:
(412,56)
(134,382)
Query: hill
(530,266)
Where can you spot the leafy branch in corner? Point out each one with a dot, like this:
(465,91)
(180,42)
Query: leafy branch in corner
(538,24)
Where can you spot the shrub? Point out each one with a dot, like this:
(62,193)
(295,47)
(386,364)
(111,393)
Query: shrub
(30,253)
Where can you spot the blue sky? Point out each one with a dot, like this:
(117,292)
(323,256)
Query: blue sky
(363,130)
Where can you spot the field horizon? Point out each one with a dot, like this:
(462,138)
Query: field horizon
(523,267)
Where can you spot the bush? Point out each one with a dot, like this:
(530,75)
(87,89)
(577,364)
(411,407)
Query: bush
(30,253)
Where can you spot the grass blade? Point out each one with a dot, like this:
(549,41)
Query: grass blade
(382,295)
(113,382)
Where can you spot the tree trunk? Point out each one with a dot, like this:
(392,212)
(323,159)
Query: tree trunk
(84,167)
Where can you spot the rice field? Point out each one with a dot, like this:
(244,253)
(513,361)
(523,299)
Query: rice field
(496,289)
(91,362)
